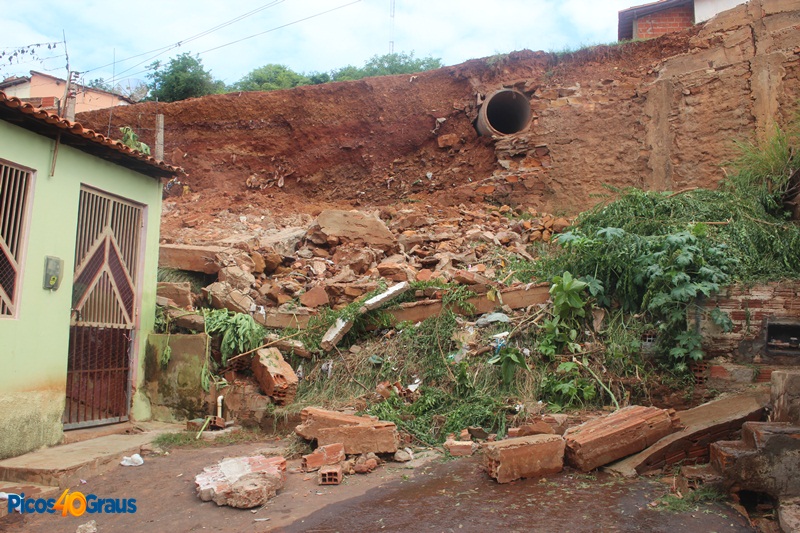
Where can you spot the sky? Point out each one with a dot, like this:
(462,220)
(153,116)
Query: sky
(118,40)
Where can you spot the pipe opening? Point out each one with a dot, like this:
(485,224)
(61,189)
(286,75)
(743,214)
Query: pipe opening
(505,112)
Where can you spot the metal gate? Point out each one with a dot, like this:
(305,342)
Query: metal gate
(104,310)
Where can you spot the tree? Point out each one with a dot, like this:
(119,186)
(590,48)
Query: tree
(183,77)
(399,63)
(271,77)
(387,64)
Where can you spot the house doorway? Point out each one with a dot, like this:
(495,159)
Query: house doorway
(104,316)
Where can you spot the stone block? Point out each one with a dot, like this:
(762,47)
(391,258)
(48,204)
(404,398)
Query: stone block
(315,297)
(324,455)
(179,293)
(524,457)
(538,427)
(313,420)
(275,376)
(376,437)
(237,278)
(785,396)
(189,257)
(460,448)
(334,226)
(622,433)
(242,482)
(223,296)
(447,140)
(330,475)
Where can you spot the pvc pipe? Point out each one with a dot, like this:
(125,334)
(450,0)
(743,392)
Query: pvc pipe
(504,112)
(219,405)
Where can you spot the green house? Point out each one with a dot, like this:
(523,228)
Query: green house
(79,227)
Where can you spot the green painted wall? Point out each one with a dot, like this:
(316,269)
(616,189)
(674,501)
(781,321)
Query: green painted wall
(33,346)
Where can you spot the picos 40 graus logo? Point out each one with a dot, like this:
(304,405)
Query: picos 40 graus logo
(71,503)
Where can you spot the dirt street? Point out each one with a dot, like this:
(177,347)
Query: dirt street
(437,496)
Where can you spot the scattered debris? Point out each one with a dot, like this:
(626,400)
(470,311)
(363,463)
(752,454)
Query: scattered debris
(133,460)
(275,376)
(242,482)
(357,434)
(324,455)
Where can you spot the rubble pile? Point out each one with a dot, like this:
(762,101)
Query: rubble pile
(282,276)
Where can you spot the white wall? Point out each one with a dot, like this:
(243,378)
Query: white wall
(705,9)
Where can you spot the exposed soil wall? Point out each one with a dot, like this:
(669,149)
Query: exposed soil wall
(659,114)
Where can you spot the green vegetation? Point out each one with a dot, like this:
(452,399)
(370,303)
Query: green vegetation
(131,140)
(690,502)
(181,78)
(184,76)
(188,439)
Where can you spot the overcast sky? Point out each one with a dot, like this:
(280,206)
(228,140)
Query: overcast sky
(352,31)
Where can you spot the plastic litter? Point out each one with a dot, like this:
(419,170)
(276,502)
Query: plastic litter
(5,496)
(492,318)
(133,460)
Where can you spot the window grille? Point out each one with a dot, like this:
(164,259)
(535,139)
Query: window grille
(14,184)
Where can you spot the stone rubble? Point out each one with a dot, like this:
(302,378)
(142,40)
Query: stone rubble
(242,482)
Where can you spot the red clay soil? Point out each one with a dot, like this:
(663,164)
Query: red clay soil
(363,143)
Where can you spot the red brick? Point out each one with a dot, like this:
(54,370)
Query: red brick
(315,297)
(377,437)
(275,376)
(460,448)
(524,457)
(330,475)
(324,455)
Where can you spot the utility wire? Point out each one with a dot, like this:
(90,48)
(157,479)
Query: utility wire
(163,49)
(249,37)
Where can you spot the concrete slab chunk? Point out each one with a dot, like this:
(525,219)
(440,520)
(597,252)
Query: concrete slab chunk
(242,482)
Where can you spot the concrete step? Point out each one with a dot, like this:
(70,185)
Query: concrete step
(63,466)
(725,453)
(30,490)
(693,477)
(758,435)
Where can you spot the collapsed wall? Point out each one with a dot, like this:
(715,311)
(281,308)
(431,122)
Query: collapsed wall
(661,114)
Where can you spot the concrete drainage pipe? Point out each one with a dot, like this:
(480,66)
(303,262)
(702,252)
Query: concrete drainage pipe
(505,112)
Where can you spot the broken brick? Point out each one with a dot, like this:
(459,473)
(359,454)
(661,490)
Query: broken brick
(275,376)
(460,448)
(524,457)
(324,455)
(535,428)
(330,475)
(315,297)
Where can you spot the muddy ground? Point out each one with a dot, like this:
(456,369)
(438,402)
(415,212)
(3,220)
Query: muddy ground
(430,495)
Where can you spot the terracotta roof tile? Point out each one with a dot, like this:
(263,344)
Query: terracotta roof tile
(76,128)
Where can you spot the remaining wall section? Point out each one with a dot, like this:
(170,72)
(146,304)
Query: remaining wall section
(750,308)
(663,22)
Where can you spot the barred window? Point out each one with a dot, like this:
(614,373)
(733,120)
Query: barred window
(14,185)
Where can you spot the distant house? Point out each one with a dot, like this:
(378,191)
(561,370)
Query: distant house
(79,226)
(44,90)
(666,16)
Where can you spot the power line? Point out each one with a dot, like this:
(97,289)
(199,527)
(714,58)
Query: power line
(188,39)
(279,27)
(251,36)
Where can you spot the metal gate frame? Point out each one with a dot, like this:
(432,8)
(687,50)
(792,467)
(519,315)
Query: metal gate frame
(104,317)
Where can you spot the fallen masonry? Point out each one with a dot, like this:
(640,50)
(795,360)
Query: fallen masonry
(275,376)
(358,434)
(242,482)
(622,433)
(524,457)
(323,456)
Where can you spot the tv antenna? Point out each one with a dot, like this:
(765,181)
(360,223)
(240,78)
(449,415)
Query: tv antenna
(391,26)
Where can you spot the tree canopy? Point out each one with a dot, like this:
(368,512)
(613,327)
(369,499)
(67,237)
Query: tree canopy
(183,77)
(271,77)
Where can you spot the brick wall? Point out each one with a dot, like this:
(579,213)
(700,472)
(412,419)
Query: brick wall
(666,21)
(749,309)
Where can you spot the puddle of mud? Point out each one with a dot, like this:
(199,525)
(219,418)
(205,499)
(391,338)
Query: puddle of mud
(457,496)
